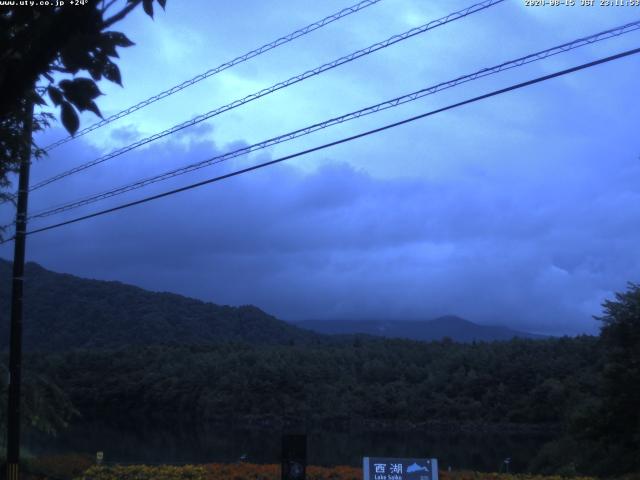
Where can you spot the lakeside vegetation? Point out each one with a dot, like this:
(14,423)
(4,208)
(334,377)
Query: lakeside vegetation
(521,385)
(574,387)
(245,471)
(521,382)
(79,467)
(265,373)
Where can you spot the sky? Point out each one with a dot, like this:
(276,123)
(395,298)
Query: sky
(519,210)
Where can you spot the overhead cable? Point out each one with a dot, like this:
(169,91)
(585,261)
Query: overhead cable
(410,97)
(209,73)
(278,86)
(337,142)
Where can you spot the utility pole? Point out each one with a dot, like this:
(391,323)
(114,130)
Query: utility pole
(15,345)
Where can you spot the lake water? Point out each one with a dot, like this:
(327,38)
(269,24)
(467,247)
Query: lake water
(482,452)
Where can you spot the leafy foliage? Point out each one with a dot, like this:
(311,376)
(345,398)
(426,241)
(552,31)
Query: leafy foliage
(13,144)
(603,437)
(248,471)
(609,429)
(60,466)
(620,336)
(379,382)
(40,42)
(40,48)
(45,407)
(144,472)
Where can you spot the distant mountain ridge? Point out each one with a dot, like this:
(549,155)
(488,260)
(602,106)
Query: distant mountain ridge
(451,326)
(64,312)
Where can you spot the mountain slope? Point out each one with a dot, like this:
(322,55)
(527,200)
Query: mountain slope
(450,326)
(63,311)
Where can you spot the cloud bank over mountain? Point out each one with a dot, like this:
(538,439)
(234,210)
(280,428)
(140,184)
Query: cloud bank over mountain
(537,252)
(519,210)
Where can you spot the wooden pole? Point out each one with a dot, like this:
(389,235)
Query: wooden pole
(15,345)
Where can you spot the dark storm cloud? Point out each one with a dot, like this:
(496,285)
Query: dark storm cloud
(496,245)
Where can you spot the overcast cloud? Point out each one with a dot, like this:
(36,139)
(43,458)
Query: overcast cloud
(522,210)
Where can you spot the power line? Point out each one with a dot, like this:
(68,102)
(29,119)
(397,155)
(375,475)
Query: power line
(242,58)
(341,141)
(613,32)
(278,86)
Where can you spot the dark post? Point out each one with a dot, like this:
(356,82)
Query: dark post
(294,457)
(15,346)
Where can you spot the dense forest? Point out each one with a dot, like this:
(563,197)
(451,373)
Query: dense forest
(173,359)
(521,382)
(551,386)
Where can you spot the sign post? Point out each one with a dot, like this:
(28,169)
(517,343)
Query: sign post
(384,468)
(294,457)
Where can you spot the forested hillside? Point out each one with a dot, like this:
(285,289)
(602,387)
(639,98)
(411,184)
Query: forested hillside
(63,312)
(167,359)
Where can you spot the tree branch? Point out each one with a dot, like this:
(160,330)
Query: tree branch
(121,14)
(107,6)
(56,68)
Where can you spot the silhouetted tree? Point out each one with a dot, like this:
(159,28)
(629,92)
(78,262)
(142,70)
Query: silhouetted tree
(46,407)
(37,43)
(620,336)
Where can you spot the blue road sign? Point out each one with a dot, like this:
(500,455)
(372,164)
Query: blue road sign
(383,468)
